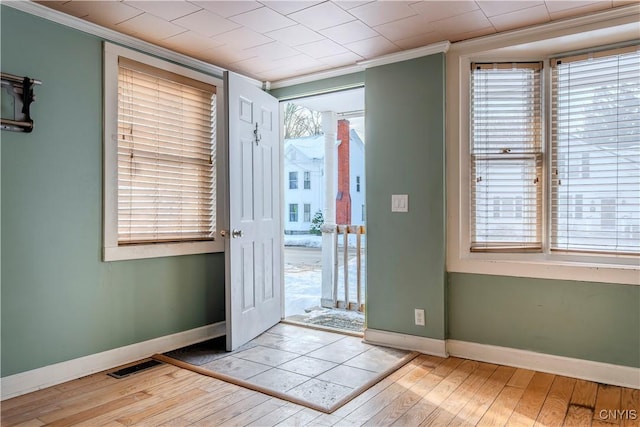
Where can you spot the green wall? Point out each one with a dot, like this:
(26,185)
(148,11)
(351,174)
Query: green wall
(405,155)
(59,301)
(584,320)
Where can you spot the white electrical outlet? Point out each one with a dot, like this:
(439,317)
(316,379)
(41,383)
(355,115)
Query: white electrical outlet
(419,315)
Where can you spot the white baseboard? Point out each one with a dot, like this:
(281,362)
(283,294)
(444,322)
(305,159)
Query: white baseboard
(624,376)
(406,342)
(47,376)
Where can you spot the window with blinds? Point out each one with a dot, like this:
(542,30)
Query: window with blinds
(166,156)
(506,157)
(595,131)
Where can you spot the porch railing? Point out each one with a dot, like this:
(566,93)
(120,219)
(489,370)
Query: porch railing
(341,249)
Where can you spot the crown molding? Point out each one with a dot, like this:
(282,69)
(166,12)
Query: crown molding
(321,75)
(363,65)
(118,38)
(613,17)
(440,47)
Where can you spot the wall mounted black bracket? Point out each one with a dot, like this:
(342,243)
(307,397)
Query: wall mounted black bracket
(16,115)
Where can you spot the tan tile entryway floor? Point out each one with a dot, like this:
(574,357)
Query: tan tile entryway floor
(319,368)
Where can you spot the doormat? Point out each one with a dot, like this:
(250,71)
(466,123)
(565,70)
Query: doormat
(318,369)
(331,318)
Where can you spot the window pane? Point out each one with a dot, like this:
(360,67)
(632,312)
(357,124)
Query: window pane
(506,157)
(166,158)
(293,180)
(293,213)
(307,180)
(307,212)
(596,154)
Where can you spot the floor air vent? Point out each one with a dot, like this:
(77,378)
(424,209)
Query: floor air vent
(125,372)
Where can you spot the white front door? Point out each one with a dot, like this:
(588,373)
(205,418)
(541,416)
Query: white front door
(253,242)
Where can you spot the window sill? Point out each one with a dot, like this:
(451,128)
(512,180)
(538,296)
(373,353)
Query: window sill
(541,266)
(122,253)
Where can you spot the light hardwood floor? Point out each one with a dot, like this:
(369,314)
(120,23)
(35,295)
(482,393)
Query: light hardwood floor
(427,391)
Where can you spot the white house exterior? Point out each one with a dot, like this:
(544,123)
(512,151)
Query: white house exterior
(304,180)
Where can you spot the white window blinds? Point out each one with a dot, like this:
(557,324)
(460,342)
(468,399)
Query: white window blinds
(506,157)
(166,156)
(596,152)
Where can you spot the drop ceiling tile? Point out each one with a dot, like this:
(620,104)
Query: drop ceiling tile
(350,32)
(299,62)
(295,36)
(470,21)
(263,20)
(228,8)
(370,48)
(554,6)
(437,10)
(493,8)
(167,10)
(206,23)
(273,51)
(149,27)
(404,28)
(322,16)
(580,8)
(59,5)
(381,12)
(520,18)
(350,4)
(225,55)
(190,43)
(321,48)
(242,38)
(254,65)
(420,40)
(342,59)
(287,7)
(471,34)
(105,13)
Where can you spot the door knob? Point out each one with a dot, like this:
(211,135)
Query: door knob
(223,233)
(236,233)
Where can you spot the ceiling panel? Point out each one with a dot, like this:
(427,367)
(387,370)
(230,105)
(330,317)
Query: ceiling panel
(149,27)
(280,39)
(263,20)
(167,10)
(381,12)
(295,35)
(350,32)
(206,23)
(227,8)
(520,18)
(322,16)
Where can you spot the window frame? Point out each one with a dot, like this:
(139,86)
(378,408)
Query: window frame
(306,213)
(307,180)
(293,180)
(539,43)
(111,250)
(293,212)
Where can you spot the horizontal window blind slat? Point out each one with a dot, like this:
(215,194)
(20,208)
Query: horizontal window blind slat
(506,158)
(595,164)
(166,157)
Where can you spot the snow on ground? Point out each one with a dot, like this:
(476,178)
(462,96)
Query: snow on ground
(303,286)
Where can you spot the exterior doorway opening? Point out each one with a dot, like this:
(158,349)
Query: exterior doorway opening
(325,211)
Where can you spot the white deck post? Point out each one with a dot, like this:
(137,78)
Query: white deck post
(330,129)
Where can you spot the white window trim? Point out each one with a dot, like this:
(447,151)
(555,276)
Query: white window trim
(530,44)
(111,250)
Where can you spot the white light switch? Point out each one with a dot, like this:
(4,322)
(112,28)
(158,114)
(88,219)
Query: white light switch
(399,203)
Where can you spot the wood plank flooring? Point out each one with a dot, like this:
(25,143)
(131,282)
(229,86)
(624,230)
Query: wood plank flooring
(428,391)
